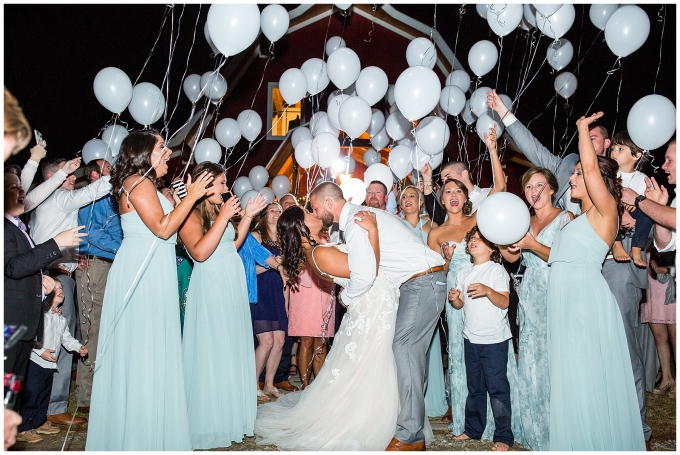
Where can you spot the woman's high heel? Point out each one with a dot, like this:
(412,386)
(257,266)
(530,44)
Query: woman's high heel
(665,389)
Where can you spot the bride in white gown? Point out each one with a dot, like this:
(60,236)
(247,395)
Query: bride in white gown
(353,404)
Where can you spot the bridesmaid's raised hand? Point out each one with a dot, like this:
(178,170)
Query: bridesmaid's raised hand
(586,121)
(198,189)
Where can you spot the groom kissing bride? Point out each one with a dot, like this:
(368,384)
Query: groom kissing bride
(369,395)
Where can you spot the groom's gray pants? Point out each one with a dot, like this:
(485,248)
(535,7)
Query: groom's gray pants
(420,303)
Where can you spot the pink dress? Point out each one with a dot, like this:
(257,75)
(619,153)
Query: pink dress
(311,310)
(653,298)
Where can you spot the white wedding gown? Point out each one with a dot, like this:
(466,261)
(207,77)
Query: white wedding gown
(354,402)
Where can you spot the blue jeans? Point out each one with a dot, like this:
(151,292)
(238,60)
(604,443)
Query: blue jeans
(486,366)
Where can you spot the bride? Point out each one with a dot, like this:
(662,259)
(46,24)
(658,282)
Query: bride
(353,403)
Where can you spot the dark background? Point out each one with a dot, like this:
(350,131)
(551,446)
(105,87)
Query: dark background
(53,53)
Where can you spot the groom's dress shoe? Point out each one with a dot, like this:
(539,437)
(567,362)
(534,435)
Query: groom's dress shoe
(397,445)
(286,385)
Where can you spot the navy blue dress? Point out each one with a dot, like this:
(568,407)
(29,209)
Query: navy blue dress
(269,313)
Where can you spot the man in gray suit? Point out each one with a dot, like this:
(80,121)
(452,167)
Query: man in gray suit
(625,280)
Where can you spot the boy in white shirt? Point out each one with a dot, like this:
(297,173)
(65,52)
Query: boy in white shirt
(35,394)
(483,293)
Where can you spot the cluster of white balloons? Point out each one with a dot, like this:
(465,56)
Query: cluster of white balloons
(211,84)
(106,148)
(115,92)
(228,132)
(246,188)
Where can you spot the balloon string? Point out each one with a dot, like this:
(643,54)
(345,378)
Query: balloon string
(554,127)
(521,67)
(658,68)
(500,54)
(165,16)
(618,97)
(546,107)
(166,77)
(512,56)
(580,38)
(325,40)
(524,85)
(271,56)
(567,115)
(586,54)
(370,33)
(197,138)
(461,12)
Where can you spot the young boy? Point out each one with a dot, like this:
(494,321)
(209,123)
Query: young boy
(35,394)
(483,293)
(630,156)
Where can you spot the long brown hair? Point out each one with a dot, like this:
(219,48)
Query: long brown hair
(204,208)
(134,158)
(262,226)
(291,228)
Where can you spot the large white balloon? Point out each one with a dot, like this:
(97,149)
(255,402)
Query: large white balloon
(651,122)
(627,30)
(559,53)
(377,122)
(378,172)
(333,44)
(417,92)
(380,140)
(546,9)
(208,149)
(325,149)
(421,52)
(600,14)
(240,186)
(148,103)
(316,72)
(233,27)
(409,140)
(355,116)
(113,89)
(334,109)
(300,134)
(323,125)
(96,149)
(432,135)
(397,126)
(303,154)
(314,121)
(274,21)
(228,132)
(482,57)
(419,159)
(113,136)
(503,218)
(371,156)
(503,18)
(371,84)
(354,189)
(484,124)
(565,84)
(293,85)
(482,9)
(250,123)
(206,32)
(460,79)
(192,87)
(258,177)
(467,114)
(557,24)
(280,185)
(478,101)
(400,161)
(343,67)
(213,84)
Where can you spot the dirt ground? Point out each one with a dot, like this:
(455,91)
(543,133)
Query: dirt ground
(661,416)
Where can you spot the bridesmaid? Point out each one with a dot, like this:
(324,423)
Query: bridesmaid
(412,202)
(218,338)
(540,188)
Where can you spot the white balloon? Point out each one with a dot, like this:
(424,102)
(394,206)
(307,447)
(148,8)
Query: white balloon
(316,72)
(293,85)
(314,121)
(432,135)
(233,27)
(506,101)
(417,92)
(397,126)
(268,194)
(627,30)
(421,52)
(113,136)
(344,165)
(478,101)
(325,149)
(378,172)
(559,53)
(389,96)
(333,44)
(565,84)
(371,84)
(354,189)
(334,109)
(355,116)
(503,218)
(323,125)
(460,79)
(343,67)
(468,115)
(525,24)
(482,9)
(482,57)
(248,195)
(208,149)
(113,89)
(250,123)
(371,157)
(280,185)
(258,177)
(546,9)
(206,32)
(213,84)
(409,141)
(557,24)
(530,14)
(148,103)
(419,159)
(228,132)
(393,108)
(484,124)
(380,140)
(274,21)
(400,161)
(503,18)
(192,87)
(240,186)
(377,122)
(651,122)
(300,134)
(96,149)
(351,90)
(303,154)
(600,14)
(343,6)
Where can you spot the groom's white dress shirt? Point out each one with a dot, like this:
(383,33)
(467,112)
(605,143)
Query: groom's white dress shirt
(402,252)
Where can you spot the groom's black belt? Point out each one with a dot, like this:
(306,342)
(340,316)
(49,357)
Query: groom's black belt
(439,268)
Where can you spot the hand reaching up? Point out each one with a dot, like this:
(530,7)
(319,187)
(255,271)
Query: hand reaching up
(254,206)
(490,139)
(494,101)
(70,166)
(198,189)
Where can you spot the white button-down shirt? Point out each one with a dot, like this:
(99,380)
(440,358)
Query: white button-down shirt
(59,212)
(402,252)
(56,335)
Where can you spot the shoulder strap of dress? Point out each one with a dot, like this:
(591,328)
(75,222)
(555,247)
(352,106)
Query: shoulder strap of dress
(314,259)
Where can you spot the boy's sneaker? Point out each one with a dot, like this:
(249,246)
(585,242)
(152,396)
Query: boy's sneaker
(47,428)
(29,436)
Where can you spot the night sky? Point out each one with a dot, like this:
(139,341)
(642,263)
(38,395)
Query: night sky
(53,52)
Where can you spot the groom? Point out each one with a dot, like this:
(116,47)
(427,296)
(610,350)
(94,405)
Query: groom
(419,272)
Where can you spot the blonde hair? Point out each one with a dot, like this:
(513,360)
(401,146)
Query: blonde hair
(421,196)
(15,122)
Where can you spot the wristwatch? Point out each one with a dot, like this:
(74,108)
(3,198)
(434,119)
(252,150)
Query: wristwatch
(639,199)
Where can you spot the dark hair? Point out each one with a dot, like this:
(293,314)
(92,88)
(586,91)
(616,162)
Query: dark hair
(603,130)
(261,225)
(92,166)
(495,255)
(13,169)
(201,207)
(623,138)
(51,165)
(609,170)
(291,228)
(134,158)
(549,176)
(378,182)
(467,206)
